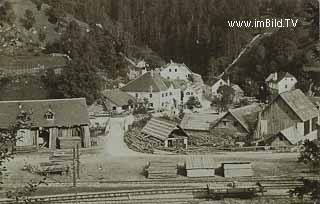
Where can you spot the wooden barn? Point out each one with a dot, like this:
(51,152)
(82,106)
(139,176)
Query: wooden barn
(241,121)
(117,101)
(200,166)
(289,109)
(237,169)
(54,124)
(167,133)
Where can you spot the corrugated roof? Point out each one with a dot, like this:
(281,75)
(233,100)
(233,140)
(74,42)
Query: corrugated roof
(200,122)
(200,162)
(292,135)
(300,104)
(67,112)
(150,81)
(117,97)
(158,128)
(247,116)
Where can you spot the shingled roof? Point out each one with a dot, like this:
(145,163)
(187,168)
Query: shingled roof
(199,122)
(280,76)
(118,97)
(299,104)
(146,82)
(67,112)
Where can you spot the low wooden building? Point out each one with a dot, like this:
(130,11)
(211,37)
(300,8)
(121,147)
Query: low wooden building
(162,170)
(168,133)
(237,169)
(241,121)
(54,123)
(200,166)
(285,138)
(117,101)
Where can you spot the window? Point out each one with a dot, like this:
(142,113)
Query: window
(170,93)
(151,104)
(49,115)
(235,123)
(286,86)
(225,123)
(150,95)
(163,95)
(188,93)
(137,95)
(169,70)
(114,108)
(306,127)
(166,94)
(221,83)
(191,93)
(175,70)
(162,104)
(314,123)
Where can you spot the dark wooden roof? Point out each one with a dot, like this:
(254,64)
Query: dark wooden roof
(67,112)
(118,97)
(299,104)
(145,83)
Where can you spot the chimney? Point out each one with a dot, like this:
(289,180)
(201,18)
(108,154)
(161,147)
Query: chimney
(275,76)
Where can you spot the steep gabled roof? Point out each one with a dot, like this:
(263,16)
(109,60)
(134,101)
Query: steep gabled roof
(292,135)
(176,65)
(247,116)
(299,104)
(67,112)
(214,80)
(145,83)
(158,128)
(281,75)
(117,97)
(199,122)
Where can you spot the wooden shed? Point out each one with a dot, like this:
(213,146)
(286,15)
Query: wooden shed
(200,166)
(168,133)
(162,170)
(237,169)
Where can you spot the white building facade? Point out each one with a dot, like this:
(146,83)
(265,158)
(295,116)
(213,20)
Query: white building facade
(175,71)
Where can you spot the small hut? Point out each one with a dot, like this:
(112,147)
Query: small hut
(200,166)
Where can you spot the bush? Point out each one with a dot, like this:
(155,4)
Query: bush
(29,20)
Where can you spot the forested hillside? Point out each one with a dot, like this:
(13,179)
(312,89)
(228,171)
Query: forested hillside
(191,31)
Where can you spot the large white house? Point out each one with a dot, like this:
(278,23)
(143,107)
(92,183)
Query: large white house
(281,82)
(151,87)
(176,71)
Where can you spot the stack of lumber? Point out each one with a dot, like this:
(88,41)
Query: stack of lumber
(61,156)
(162,170)
(237,169)
(69,142)
(137,142)
(198,138)
(26,149)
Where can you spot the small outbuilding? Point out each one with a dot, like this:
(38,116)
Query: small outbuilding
(200,166)
(237,169)
(285,138)
(118,101)
(167,133)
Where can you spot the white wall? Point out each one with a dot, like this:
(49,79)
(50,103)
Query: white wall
(200,173)
(175,71)
(286,84)
(216,87)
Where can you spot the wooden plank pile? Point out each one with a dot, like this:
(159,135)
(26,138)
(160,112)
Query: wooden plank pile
(237,169)
(69,142)
(162,170)
(137,142)
(61,156)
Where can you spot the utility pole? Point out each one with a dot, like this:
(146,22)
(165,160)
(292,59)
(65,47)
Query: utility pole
(74,168)
(78,162)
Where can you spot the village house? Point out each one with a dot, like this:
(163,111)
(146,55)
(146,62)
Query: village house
(214,85)
(173,71)
(167,133)
(241,122)
(54,123)
(153,88)
(281,82)
(117,101)
(136,68)
(292,110)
